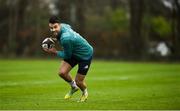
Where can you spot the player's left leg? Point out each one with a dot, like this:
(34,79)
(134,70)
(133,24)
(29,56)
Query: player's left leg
(80,81)
(83,67)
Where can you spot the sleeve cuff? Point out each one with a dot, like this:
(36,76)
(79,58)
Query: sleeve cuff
(60,54)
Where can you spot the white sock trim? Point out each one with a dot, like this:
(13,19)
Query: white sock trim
(85,91)
(72,84)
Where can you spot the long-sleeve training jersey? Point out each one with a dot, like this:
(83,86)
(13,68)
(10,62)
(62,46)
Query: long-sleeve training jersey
(73,44)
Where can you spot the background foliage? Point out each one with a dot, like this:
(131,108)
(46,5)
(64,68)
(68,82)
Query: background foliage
(120,29)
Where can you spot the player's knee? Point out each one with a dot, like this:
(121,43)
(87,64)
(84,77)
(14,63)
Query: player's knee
(62,73)
(78,82)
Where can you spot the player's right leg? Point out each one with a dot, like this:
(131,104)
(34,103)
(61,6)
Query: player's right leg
(64,70)
(64,73)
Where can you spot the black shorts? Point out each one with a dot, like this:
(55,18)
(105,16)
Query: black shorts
(83,65)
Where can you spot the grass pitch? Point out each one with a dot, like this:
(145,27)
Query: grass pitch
(34,84)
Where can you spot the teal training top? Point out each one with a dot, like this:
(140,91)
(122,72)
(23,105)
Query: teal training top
(73,44)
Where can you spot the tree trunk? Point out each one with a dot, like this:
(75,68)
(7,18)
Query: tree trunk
(10,32)
(80,18)
(176,29)
(64,11)
(37,39)
(137,41)
(114,4)
(13,27)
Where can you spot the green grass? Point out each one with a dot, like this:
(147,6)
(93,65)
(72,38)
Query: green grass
(34,84)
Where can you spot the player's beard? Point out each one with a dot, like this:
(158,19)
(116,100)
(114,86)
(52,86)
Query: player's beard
(55,33)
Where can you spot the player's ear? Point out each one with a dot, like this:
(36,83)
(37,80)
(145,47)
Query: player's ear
(49,24)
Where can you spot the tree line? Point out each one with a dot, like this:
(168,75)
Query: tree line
(122,29)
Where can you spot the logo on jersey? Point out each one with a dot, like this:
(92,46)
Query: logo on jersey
(86,67)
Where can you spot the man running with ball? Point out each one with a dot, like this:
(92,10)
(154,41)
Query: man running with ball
(76,50)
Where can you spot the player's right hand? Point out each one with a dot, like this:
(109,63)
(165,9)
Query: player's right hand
(51,50)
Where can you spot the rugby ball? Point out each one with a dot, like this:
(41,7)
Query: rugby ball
(48,43)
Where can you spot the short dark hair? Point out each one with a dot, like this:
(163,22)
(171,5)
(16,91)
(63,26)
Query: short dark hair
(54,19)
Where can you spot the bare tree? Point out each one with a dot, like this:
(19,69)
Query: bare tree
(137,40)
(80,18)
(64,10)
(177,35)
(13,19)
(114,4)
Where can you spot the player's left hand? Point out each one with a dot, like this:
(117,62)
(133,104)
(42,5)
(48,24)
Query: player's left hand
(51,50)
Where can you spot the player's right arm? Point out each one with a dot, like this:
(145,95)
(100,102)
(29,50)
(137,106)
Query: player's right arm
(67,52)
(51,50)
